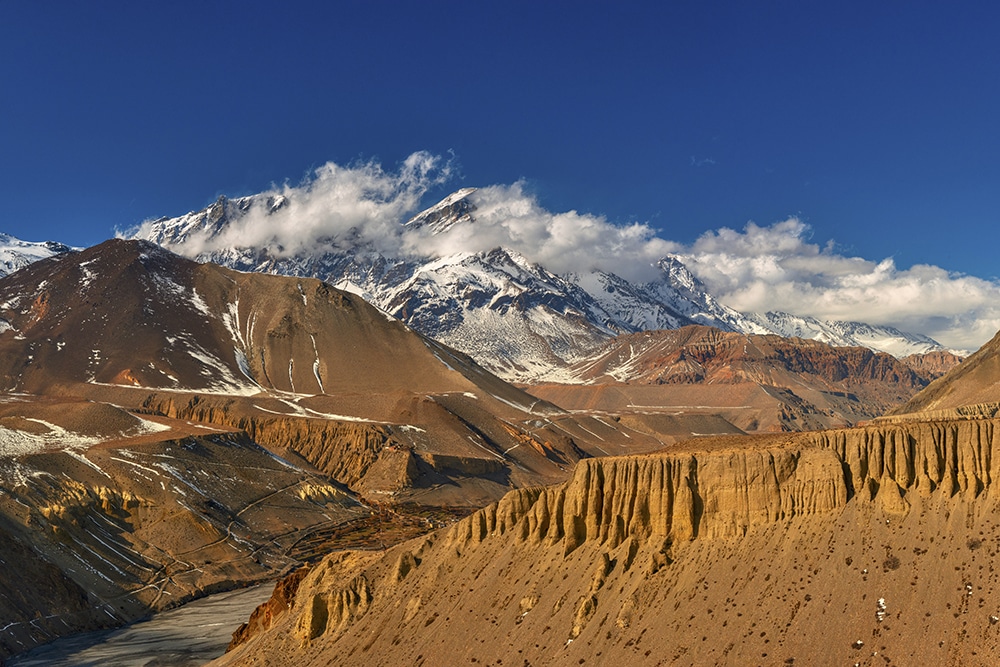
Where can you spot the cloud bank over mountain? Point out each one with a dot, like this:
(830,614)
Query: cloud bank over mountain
(336,207)
(569,242)
(778,268)
(761,268)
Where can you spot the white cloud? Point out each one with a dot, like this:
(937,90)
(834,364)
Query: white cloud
(570,242)
(336,207)
(365,204)
(777,268)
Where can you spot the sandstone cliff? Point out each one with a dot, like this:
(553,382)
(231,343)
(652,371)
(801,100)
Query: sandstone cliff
(878,545)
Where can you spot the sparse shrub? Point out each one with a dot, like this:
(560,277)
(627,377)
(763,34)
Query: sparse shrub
(890,563)
(974,543)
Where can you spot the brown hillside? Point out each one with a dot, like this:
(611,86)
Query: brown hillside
(170,429)
(874,546)
(307,370)
(976,382)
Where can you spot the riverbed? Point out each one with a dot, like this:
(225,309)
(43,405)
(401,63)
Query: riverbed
(188,636)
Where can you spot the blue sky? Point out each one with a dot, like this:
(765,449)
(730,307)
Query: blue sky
(876,124)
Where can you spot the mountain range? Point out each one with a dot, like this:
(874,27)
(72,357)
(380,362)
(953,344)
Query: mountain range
(757,382)
(780,403)
(515,317)
(170,428)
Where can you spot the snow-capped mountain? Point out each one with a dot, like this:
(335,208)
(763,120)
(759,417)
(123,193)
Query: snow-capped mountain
(515,317)
(847,334)
(16,254)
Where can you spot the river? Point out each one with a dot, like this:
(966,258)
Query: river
(188,636)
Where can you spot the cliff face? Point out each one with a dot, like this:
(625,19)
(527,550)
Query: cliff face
(666,498)
(954,458)
(729,553)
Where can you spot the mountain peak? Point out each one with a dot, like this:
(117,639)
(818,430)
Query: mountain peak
(448,212)
(16,254)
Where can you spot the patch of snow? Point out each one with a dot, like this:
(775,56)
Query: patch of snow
(137,465)
(83,459)
(148,426)
(199,303)
(225,382)
(243,364)
(174,472)
(319,380)
(516,406)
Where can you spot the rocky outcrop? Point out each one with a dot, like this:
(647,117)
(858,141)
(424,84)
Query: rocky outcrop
(263,616)
(933,365)
(950,458)
(666,498)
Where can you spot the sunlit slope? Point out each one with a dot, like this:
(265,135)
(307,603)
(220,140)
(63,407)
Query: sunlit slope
(870,545)
(973,388)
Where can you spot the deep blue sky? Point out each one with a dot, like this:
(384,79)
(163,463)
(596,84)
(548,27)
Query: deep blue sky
(877,123)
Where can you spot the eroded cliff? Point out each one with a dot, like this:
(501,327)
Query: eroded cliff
(731,551)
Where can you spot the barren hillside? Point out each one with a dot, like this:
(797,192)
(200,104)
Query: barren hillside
(872,546)
(971,388)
